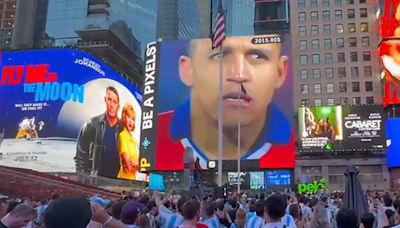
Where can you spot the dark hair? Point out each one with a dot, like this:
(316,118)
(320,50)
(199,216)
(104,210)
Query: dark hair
(368,220)
(389,213)
(181,202)
(346,218)
(117,208)
(259,208)
(190,209)
(208,208)
(275,206)
(114,90)
(295,211)
(167,204)
(387,201)
(396,203)
(150,204)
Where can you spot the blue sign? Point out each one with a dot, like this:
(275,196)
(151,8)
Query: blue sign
(393,142)
(279,177)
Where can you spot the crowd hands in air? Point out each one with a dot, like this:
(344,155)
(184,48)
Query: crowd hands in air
(263,210)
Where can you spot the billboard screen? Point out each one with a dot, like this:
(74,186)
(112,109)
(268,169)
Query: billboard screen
(393,142)
(341,127)
(65,111)
(181,94)
(256,180)
(277,178)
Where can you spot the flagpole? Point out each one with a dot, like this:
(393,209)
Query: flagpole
(220,118)
(238,141)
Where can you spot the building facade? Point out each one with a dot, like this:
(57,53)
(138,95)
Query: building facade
(114,31)
(7,22)
(335,62)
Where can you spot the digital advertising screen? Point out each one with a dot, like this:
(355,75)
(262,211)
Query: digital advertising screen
(277,178)
(181,103)
(63,110)
(389,51)
(393,142)
(338,128)
(257,180)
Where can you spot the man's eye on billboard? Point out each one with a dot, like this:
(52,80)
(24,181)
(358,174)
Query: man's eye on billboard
(184,108)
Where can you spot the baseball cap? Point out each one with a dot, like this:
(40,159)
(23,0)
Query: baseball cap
(130,212)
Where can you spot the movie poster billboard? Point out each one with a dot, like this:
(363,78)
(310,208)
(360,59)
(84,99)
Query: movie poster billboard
(181,103)
(63,110)
(339,128)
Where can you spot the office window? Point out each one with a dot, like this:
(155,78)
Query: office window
(303,44)
(364,27)
(369,86)
(315,44)
(363,12)
(301,4)
(330,101)
(328,72)
(304,74)
(344,100)
(326,15)
(317,88)
(356,101)
(351,27)
(342,72)
(343,87)
(304,102)
(354,71)
(315,59)
(341,57)
(338,2)
(338,15)
(366,55)
(365,41)
(304,89)
(329,88)
(327,29)
(355,86)
(369,100)
(367,71)
(350,2)
(339,42)
(316,73)
(339,28)
(328,58)
(353,56)
(314,30)
(353,41)
(314,3)
(302,31)
(350,14)
(325,3)
(327,43)
(314,16)
(317,102)
(302,17)
(303,59)
(363,1)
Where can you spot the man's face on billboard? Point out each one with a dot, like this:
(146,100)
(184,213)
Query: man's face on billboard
(112,104)
(258,68)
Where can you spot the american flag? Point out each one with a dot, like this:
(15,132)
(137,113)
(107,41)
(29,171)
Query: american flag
(219,28)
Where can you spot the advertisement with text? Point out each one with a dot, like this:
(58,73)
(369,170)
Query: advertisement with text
(63,110)
(338,128)
(181,103)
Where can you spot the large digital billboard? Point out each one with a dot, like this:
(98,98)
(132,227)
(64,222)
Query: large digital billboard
(389,51)
(65,111)
(393,142)
(340,128)
(181,94)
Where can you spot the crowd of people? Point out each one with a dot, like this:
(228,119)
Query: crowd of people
(273,210)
